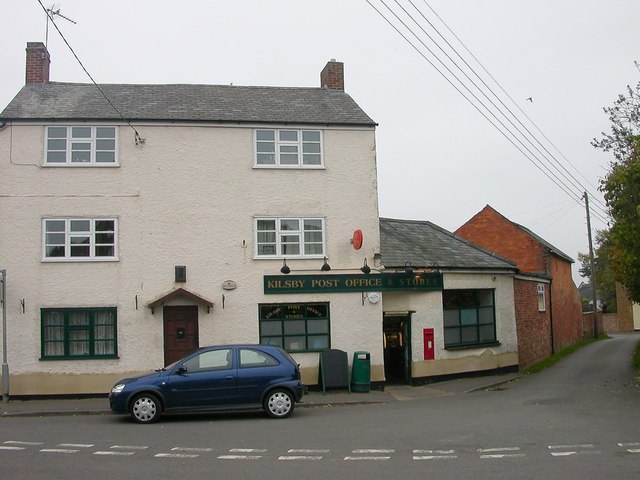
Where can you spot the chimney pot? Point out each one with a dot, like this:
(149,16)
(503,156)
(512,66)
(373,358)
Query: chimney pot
(332,76)
(38,62)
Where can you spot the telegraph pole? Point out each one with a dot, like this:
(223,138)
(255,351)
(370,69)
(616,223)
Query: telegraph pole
(593,269)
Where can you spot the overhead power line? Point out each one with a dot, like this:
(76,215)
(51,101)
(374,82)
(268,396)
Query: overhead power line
(414,26)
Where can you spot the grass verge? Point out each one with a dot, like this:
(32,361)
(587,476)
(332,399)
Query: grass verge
(636,359)
(556,357)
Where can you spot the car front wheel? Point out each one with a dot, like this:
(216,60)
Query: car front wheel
(279,403)
(145,408)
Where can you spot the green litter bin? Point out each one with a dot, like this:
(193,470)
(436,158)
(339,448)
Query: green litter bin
(361,372)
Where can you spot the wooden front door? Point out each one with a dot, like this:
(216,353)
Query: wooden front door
(180,332)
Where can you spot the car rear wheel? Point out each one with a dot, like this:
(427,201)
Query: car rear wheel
(279,403)
(145,408)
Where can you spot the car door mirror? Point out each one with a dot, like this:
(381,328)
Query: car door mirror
(181,370)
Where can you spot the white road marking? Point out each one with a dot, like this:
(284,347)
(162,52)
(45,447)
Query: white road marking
(11,448)
(239,457)
(58,450)
(434,457)
(500,449)
(305,450)
(299,457)
(571,447)
(632,444)
(372,451)
(16,442)
(123,454)
(502,455)
(434,452)
(489,453)
(578,449)
(189,449)
(176,455)
(574,452)
(129,447)
(75,445)
(366,458)
(247,450)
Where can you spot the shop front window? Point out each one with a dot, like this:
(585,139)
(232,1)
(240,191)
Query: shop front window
(469,318)
(296,327)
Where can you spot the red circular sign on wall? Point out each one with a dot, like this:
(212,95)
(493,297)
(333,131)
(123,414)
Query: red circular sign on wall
(357,239)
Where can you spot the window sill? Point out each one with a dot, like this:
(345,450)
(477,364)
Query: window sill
(475,345)
(289,167)
(79,260)
(55,359)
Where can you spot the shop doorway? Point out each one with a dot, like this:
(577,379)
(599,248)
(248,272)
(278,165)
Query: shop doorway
(397,347)
(180,332)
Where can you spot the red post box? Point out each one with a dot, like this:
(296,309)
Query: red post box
(429,349)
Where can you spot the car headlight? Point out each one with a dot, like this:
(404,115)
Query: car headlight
(118,388)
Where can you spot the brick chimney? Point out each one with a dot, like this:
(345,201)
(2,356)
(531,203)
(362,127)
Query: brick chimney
(332,75)
(38,62)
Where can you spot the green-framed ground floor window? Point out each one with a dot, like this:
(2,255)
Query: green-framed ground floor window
(73,333)
(296,327)
(469,318)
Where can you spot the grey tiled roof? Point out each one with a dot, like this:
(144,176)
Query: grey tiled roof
(189,103)
(425,244)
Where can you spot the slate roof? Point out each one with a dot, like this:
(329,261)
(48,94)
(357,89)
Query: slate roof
(185,103)
(425,245)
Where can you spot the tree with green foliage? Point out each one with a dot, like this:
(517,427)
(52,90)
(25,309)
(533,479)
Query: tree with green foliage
(605,276)
(625,125)
(621,189)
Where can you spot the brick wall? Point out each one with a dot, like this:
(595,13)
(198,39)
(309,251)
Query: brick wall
(533,326)
(566,305)
(492,231)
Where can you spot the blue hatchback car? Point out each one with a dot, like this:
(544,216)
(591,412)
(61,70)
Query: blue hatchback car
(229,377)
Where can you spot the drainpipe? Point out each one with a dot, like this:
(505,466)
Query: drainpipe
(553,349)
(5,365)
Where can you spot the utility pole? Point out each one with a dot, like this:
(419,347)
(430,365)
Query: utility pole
(593,269)
(5,365)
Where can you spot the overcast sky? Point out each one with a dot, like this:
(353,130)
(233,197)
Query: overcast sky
(438,158)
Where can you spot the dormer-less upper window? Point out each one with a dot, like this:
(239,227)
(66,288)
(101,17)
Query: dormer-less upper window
(287,148)
(81,146)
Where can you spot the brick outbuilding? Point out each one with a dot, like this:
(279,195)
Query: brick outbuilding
(555,320)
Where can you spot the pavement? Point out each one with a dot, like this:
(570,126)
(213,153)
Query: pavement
(392,393)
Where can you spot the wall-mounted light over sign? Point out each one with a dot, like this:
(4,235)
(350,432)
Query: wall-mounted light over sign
(325,266)
(285,268)
(366,269)
(408,269)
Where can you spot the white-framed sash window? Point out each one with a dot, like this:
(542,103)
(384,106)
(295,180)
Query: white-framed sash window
(289,237)
(288,148)
(79,239)
(81,145)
